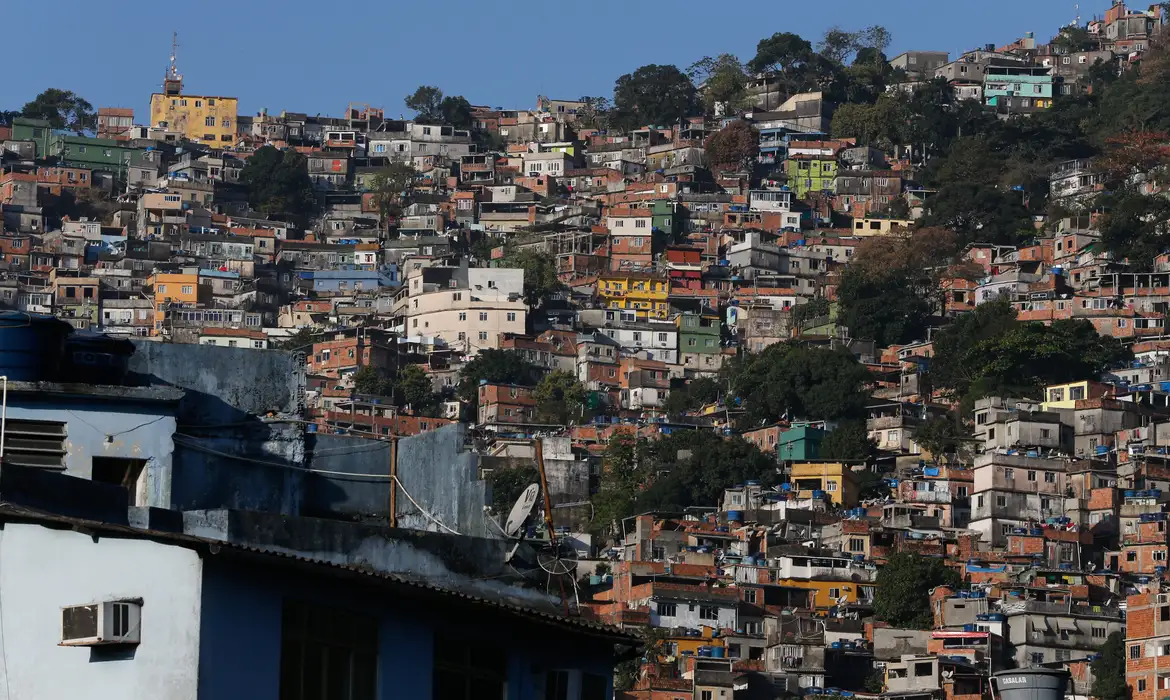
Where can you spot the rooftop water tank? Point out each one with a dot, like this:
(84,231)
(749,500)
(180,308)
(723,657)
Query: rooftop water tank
(31,346)
(1031,684)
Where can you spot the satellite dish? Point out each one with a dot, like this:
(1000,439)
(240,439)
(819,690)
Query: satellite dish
(557,559)
(521,510)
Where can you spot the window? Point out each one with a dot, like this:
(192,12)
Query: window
(1131,556)
(749,595)
(464,670)
(639,223)
(187,289)
(511,315)
(1098,632)
(483,335)
(1001,501)
(1050,477)
(830,486)
(483,316)
(856,544)
(210,121)
(1037,657)
(706,695)
(961,492)
(462,315)
(708,612)
(1009,474)
(1031,475)
(834,593)
(328,653)
(1141,684)
(667,610)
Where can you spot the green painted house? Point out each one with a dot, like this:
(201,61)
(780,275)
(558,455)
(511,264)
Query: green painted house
(800,442)
(810,174)
(698,340)
(666,217)
(93,153)
(36,130)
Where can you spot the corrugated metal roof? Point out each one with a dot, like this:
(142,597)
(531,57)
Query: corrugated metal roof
(14,512)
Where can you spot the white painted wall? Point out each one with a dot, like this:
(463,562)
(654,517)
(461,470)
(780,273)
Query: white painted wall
(43,570)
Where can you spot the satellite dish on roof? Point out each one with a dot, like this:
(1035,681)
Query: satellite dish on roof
(521,510)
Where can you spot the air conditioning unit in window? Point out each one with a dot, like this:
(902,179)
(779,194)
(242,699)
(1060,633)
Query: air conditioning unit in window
(109,622)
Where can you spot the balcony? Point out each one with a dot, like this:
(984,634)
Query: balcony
(929,496)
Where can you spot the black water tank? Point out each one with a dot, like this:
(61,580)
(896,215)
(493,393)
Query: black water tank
(1031,684)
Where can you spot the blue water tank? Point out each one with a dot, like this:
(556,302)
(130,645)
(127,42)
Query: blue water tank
(31,346)
(717,652)
(735,516)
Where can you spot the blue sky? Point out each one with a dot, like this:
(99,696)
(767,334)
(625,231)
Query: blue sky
(316,57)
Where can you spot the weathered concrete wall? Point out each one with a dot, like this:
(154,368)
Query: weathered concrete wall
(224,385)
(263,468)
(99,427)
(442,475)
(460,563)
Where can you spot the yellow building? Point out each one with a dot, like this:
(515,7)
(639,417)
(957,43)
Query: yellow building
(828,594)
(880,227)
(835,479)
(643,294)
(1067,395)
(172,290)
(208,119)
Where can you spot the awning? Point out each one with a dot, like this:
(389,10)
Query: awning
(1064,624)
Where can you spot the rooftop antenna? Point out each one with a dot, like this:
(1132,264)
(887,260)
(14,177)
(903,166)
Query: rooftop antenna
(173,84)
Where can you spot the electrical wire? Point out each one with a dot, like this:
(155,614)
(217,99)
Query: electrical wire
(202,448)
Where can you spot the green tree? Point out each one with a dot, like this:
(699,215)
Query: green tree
(790,59)
(1135,226)
(278,183)
(393,188)
(879,124)
(949,368)
(63,109)
(1109,670)
(496,367)
(691,396)
(941,435)
(427,102)
(736,144)
(456,111)
(902,593)
(595,114)
(889,308)
(368,380)
(721,80)
(1032,355)
(850,441)
(1072,39)
(624,471)
(560,398)
(653,95)
(795,381)
(507,485)
(889,291)
(697,465)
(540,274)
(815,308)
(416,390)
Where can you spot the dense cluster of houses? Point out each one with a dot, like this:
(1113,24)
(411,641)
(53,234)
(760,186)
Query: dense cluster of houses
(667,267)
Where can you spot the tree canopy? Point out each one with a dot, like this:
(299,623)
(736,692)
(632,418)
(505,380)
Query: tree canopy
(850,441)
(1109,670)
(497,367)
(989,352)
(902,593)
(278,183)
(560,398)
(540,274)
(653,95)
(796,381)
(63,109)
(736,144)
(433,107)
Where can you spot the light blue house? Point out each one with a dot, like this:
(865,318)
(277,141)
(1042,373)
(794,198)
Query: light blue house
(1017,89)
